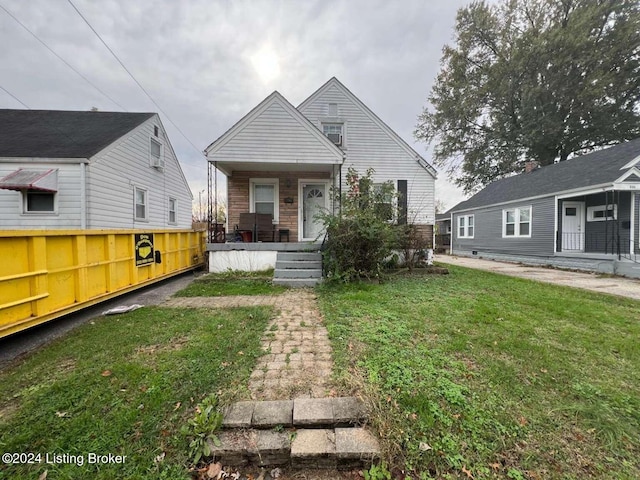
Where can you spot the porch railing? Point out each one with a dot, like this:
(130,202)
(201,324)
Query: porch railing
(607,243)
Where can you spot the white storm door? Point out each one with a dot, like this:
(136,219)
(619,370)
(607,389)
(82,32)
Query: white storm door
(573,226)
(314,199)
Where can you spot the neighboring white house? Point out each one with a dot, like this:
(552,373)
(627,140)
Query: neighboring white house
(282,160)
(89,170)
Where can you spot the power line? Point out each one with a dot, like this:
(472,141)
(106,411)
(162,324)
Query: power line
(59,57)
(134,78)
(14,97)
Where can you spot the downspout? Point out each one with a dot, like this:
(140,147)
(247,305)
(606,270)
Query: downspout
(452,232)
(83,196)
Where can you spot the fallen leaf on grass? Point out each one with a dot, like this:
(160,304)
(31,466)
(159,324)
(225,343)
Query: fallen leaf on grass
(43,475)
(62,414)
(106,373)
(522,421)
(159,458)
(177,406)
(424,446)
(240,352)
(467,472)
(495,466)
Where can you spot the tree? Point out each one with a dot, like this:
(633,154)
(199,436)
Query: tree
(533,80)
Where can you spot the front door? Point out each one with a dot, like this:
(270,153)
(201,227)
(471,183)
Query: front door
(314,197)
(573,226)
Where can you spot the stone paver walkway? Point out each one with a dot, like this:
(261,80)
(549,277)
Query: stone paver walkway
(297,361)
(624,287)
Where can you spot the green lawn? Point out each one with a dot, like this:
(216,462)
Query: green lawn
(478,375)
(124,385)
(232,283)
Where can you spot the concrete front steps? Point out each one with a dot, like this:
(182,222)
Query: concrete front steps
(298,269)
(302,433)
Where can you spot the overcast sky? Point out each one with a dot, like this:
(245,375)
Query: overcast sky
(207,63)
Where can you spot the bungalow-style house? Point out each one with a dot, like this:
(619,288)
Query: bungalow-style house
(579,213)
(89,170)
(283,161)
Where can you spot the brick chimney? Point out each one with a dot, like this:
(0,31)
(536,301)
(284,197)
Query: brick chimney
(530,166)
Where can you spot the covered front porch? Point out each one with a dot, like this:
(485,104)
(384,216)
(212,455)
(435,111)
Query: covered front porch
(598,225)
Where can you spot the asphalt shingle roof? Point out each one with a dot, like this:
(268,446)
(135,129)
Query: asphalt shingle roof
(62,134)
(592,169)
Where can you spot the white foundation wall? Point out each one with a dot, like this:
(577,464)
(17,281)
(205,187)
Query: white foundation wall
(242,260)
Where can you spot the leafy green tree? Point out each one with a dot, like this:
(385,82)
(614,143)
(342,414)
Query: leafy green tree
(533,80)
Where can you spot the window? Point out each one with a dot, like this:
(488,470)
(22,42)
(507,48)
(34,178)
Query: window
(384,201)
(333,110)
(38,202)
(516,222)
(466,226)
(173,207)
(264,196)
(155,130)
(601,213)
(333,131)
(155,154)
(140,207)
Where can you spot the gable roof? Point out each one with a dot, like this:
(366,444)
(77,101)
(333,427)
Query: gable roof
(62,134)
(299,118)
(333,81)
(593,169)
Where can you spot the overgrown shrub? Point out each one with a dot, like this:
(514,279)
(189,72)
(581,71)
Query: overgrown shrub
(360,236)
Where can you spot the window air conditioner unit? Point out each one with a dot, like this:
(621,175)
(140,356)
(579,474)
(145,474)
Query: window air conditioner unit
(335,138)
(157,162)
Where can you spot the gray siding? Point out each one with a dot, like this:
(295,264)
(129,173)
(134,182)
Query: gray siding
(68,198)
(488,230)
(367,144)
(114,172)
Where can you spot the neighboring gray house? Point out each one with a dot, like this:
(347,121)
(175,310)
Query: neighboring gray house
(580,213)
(89,170)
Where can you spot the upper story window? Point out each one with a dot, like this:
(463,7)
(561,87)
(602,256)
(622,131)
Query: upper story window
(334,131)
(140,204)
(516,222)
(155,154)
(466,226)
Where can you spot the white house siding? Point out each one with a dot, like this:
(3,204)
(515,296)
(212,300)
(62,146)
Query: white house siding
(113,173)
(68,198)
(273,134)
(368,144)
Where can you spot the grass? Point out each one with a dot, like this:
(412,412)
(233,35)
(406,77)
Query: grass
(124,385)
(478,375)
(232,283)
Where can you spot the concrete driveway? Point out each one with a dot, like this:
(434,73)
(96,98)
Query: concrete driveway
(624,287)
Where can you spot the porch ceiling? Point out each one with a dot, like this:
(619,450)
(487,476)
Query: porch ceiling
(229,167)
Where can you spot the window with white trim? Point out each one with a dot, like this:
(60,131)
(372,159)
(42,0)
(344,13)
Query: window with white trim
(156,157)
(466,226)
(601,213)
(334,132)
(173,209)
(516,222)
(140,211)
(34,201)
(384,201)
(264,194)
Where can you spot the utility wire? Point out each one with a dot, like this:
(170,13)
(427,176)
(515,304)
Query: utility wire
(134,78)
(59,57)
(14,97)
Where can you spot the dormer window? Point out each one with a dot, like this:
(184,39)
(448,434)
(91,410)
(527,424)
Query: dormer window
(334,132)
